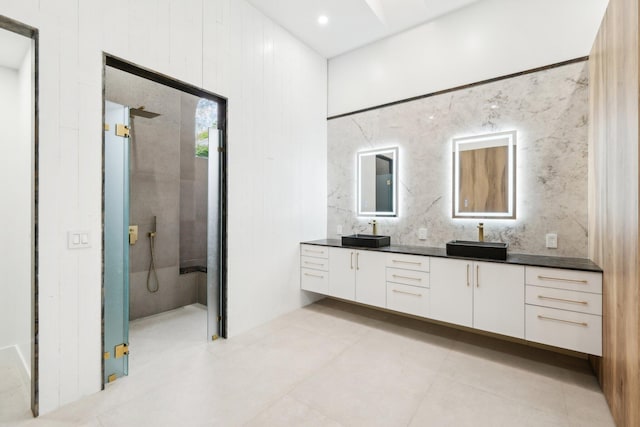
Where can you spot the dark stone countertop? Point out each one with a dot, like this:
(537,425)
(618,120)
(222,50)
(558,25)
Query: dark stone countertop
(583,264)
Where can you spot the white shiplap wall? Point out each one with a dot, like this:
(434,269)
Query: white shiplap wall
(277,156)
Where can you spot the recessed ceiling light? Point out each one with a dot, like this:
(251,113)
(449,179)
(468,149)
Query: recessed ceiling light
(494,106)
(323,19)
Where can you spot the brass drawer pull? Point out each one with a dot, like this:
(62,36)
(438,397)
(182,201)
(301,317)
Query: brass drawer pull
(406,262)
(314,263)
(584,282)
(563,300)
(477,276)
(314,275)
(585,324)
(407,277)
(315,252)
(406,293)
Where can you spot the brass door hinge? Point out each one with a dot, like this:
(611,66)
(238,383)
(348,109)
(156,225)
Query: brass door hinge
(220,150)
(106,127)
(122,130)
(111,378)
(107,355)
(121,350)
(214,337)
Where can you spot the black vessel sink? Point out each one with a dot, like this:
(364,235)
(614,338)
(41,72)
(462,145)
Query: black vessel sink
(470,249)
(366,240)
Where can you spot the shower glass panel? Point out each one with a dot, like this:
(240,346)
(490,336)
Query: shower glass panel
(116,241)
(214,242)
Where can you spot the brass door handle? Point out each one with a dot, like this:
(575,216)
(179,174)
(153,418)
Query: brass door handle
(477,276)
(467,275)
(357,260)
(351,260)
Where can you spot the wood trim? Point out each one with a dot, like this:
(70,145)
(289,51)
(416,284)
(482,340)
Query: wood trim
(613,203)
(466,86)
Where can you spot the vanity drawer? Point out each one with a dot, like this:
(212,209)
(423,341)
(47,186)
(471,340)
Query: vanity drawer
(573,280)
(314,251)
(583,302)
(408,299)
(567,329)
(314,263)
(408,277)
(408,262)
(314,280)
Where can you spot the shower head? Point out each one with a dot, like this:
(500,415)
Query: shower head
(141,112)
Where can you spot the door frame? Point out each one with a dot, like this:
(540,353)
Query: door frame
(32,33)
(129,67)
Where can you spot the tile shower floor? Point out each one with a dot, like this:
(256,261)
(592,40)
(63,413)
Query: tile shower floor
(332,364)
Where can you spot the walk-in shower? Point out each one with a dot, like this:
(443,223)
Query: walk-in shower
(173,195)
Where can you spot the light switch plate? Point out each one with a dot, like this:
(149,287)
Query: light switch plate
(339,230)
(552,240)
(422,233)
(78,239)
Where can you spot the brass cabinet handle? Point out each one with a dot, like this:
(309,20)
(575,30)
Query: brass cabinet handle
(407,293)
(563,300)
(314,263)
(406,262)
(585,324)
(559,279)
(315,252)
(314,275)
(467,275)
(351,260)
(357,260)
(477,276)
(407,277)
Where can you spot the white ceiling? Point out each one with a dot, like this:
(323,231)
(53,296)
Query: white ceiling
(352,23)
(13,48)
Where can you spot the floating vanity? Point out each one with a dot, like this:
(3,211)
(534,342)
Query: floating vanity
(548,300)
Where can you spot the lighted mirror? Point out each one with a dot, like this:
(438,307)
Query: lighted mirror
(484,176)
(377,177)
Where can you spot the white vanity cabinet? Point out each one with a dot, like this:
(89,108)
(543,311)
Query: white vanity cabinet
(314,268)
(357,275)
(564,309)
(408,284)
(483,295)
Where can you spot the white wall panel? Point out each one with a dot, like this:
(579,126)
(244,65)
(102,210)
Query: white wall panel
(277,156)
(487,39)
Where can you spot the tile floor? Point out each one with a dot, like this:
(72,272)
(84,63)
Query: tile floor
(336,364)
(15,388)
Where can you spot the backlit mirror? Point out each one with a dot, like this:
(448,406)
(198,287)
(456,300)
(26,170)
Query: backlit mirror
(377,177)
(484,176)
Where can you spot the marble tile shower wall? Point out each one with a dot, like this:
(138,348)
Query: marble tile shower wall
(549,110)
(155,172)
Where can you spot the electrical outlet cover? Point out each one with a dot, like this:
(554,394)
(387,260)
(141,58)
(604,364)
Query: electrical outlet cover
(552,241)
(422,234)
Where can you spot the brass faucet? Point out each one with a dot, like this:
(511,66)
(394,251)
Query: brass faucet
(481,232)
(375,226)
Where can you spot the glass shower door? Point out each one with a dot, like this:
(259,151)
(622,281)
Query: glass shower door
(214,240)
(116,242)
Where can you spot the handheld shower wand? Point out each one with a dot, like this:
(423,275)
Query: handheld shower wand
(152,262)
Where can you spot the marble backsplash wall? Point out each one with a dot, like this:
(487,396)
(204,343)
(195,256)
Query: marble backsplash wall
(549,111)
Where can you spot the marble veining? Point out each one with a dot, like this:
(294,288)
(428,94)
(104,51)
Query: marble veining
(548,109)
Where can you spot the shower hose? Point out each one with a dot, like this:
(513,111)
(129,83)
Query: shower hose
(152,265)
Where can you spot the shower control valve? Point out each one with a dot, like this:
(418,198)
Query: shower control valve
(133,234)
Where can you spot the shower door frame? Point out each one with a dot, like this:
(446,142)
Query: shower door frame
(129,67)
